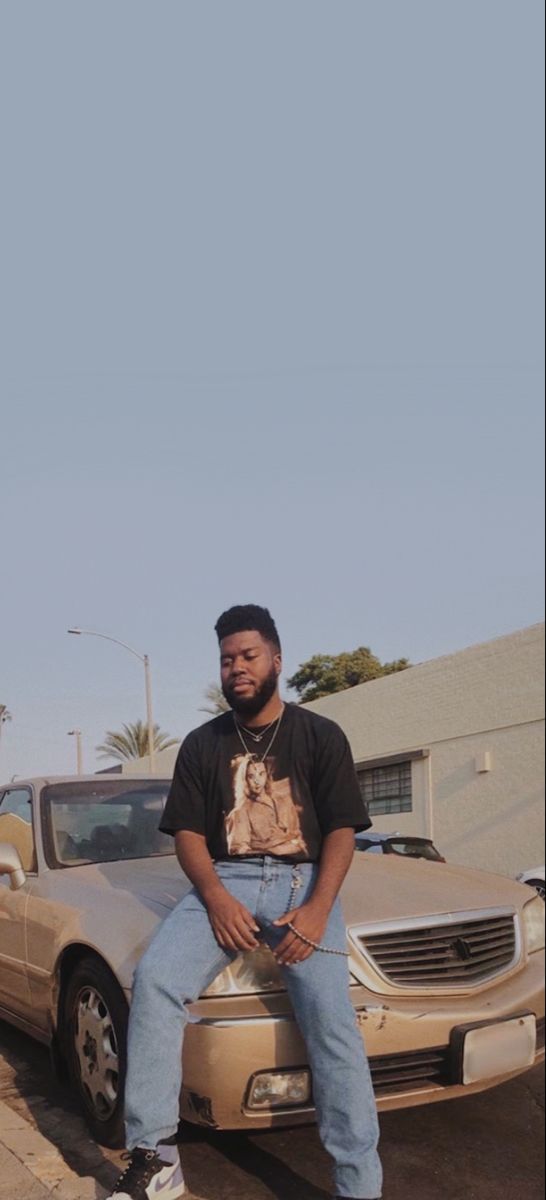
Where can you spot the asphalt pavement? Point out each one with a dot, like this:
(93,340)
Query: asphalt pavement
(478,1148)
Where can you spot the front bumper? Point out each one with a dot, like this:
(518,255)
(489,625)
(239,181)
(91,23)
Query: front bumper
(408,1043)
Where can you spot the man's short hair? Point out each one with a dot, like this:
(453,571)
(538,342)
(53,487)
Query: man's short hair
(243,617)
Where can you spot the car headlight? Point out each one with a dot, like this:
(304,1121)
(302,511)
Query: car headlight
(534,925)
(251,973)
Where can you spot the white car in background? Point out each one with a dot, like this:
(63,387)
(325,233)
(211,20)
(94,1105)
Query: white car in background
(535,879)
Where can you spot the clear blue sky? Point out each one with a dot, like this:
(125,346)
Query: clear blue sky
(271,322)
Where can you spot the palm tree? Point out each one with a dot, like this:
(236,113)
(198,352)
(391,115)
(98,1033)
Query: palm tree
(217,701)
(5,715)
(133,742)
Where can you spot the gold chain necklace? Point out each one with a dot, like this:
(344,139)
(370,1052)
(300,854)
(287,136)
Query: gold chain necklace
(268,748)
(257,737)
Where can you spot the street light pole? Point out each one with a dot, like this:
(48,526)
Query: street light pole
(77,733)
(149,716)
(144,658)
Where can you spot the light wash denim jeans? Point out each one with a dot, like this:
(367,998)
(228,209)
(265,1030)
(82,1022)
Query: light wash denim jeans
(182,960)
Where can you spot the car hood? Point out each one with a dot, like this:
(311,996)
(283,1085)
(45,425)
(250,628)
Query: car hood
(114,908)
(159,882)
(377,888)
(384,888)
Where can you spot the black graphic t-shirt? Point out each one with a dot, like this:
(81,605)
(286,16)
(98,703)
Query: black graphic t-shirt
(282,804)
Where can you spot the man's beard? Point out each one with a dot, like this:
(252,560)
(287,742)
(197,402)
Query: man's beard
(250,706)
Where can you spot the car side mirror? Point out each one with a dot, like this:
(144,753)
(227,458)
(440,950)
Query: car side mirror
(10,864)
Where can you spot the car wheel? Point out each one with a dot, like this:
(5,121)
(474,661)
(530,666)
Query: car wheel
(95,1039)
(539,886)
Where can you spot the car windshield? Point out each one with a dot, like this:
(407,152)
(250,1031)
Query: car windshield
(104,821)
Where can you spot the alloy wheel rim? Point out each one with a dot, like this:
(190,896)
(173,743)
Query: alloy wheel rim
(97,1054)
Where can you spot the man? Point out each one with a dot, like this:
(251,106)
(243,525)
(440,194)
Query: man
(238,898)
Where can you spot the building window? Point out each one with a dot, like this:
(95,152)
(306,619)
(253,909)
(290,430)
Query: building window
(386,789)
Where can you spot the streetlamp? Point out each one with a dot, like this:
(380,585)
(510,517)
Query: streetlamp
(147,680)
(77,733)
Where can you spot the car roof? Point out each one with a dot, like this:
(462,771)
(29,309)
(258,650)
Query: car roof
(377,838)
(38,781)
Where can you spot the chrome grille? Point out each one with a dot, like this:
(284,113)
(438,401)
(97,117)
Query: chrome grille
(444,955)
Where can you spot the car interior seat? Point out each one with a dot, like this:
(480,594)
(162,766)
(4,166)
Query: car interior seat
(19,833)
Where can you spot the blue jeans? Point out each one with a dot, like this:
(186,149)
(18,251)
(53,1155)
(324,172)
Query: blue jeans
(182,960)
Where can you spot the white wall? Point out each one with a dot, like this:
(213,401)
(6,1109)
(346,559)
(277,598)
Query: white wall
(493,820)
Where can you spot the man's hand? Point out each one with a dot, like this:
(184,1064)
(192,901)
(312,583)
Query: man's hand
(312,918)
(233,925)
(311,921)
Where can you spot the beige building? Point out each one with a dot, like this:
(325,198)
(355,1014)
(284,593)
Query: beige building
(453,749)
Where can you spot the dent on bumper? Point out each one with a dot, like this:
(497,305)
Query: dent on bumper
(232,1038)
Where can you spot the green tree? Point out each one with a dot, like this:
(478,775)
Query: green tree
(5,715)
(132,742)
(327,673)
(217,702)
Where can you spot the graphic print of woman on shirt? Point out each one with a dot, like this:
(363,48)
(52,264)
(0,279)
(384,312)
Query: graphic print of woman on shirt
(264,818)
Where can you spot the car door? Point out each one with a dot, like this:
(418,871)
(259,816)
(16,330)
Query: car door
(16,828)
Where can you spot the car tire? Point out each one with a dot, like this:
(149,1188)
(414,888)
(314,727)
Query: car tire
(94,1034)
(538,885)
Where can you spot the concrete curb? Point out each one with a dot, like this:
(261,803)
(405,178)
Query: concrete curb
(41,1158)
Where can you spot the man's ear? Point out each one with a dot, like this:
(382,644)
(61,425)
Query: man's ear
(277,659)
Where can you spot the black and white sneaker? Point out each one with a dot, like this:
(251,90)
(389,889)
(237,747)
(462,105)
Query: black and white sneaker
(151,1174)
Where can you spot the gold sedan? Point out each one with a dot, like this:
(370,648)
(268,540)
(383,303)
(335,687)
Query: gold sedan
(447,965)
